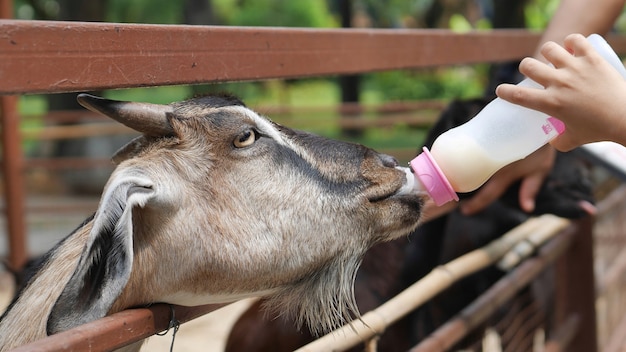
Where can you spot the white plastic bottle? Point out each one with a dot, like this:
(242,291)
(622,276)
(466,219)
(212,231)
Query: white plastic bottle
(463,158)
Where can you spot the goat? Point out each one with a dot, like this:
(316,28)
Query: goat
(214,203)
(390,267)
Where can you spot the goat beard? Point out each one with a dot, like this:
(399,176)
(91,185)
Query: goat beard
(323,301)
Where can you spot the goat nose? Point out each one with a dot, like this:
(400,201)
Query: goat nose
(388,160)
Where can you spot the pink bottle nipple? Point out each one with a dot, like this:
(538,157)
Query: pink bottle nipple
(432,178)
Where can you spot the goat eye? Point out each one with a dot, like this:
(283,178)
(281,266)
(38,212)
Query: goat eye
(245,139)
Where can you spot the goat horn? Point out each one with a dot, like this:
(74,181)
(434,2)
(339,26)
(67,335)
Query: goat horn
(150,119)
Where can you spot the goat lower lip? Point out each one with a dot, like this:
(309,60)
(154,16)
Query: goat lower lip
(379,198)
(394,195)
(413,201)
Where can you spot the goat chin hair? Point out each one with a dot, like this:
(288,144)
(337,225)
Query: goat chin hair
(323,302)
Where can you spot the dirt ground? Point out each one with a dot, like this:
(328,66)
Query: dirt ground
(207,333)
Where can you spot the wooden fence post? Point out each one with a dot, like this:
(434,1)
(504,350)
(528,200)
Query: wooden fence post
(576,286)
(12,168)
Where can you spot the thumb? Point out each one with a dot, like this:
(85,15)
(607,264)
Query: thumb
(564,143)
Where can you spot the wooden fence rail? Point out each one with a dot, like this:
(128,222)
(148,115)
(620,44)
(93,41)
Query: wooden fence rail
(118,330)
(53,57)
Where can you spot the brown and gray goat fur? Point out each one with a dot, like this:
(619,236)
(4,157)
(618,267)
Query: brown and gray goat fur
(214,203)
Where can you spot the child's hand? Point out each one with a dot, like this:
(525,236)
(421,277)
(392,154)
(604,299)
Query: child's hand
(582,90)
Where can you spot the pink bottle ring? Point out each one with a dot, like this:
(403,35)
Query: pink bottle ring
(432,178)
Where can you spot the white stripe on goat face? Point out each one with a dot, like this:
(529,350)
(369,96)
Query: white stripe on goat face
(268,128)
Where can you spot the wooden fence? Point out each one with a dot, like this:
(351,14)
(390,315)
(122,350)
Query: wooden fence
(54,57)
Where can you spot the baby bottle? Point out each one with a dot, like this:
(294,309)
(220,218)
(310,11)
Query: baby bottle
(463,158)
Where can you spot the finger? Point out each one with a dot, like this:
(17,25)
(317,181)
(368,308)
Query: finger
(525,96)
(537,71)
(556,54)
(487,194)
(528,191)
(430,211)
(577,44)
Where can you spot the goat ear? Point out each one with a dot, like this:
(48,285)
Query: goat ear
(106,261)
(129,150)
